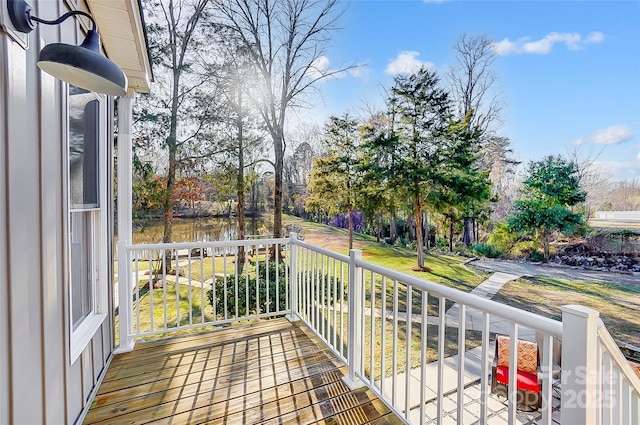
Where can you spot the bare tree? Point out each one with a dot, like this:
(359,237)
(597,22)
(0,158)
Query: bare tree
(472,81)
(181,102)
(285,40)
(593,177)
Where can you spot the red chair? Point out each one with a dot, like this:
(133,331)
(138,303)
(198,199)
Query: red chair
(528,377)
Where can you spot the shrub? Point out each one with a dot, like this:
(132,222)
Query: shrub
(502,239)
(257,301)
(311,280)
(485,250)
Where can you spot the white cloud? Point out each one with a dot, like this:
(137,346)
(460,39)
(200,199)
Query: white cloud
(638,156)
(406,63)
(524,45)
(321,68)
(613,135)
(622,170)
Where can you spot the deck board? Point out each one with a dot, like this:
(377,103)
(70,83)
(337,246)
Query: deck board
(267,372)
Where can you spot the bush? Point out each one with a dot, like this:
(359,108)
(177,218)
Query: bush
(525,249)
(501,239)
(485,250)
(536,256)
(319,281)
(257,302)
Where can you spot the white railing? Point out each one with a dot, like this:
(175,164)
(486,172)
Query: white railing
(617,385)
(391,318)
(411,341)
(180,286)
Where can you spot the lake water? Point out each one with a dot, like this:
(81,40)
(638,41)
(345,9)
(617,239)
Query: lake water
(202,229)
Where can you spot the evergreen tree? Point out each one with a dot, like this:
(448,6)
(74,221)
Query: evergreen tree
(551,188)
(336,176)
(421,111)
(466,185)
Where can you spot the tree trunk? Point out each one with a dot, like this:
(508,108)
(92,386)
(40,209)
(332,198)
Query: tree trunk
(426,229)
(476,231)
(350,229)
(167,204)
(545,244)
(418,216)
(393,228)
(278,144)
(240,188)
(450,234)
(467,237)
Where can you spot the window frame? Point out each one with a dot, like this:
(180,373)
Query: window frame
(81,336)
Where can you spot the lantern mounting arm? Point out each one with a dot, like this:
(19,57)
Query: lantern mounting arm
(23,21)
(64,18)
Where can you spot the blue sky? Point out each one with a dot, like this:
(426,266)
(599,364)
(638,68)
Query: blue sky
(568,71)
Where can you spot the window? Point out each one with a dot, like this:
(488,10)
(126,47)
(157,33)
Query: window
(87,225)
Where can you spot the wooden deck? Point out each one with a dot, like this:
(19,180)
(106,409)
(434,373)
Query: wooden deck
(271,372)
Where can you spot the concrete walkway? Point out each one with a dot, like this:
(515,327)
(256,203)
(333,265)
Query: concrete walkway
(474,318)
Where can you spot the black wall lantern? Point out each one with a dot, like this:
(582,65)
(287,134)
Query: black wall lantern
(84,65)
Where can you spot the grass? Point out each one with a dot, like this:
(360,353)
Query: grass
(618,304)
(445,269)
(178,311)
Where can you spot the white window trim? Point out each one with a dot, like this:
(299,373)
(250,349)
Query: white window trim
(81,337)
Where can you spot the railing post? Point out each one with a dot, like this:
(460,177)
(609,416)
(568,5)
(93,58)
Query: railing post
(354,332)
(579,365)
(293,278)
(124,298)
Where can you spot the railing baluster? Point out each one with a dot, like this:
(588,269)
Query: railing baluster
(314,281)
(618,417)
(462,309)
(225,280)
(202,305)
(177,286)
(423,356)
(394,359)
(442,322)
(214,280)
(189,283)
(335,304)
(150,293)
(310,286)
(372,337)
(547,379)
(383,332)
(267,281)
(322,314)
(342,288)
(361,300)
(164,290)
(407,365)
(513,360)
(484,367)
(237,283)
(246,279)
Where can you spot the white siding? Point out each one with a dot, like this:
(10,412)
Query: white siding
(37,382)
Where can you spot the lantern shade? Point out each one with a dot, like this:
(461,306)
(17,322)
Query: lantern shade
(84,66)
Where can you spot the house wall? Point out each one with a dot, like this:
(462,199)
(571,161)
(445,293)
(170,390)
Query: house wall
(38,381)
